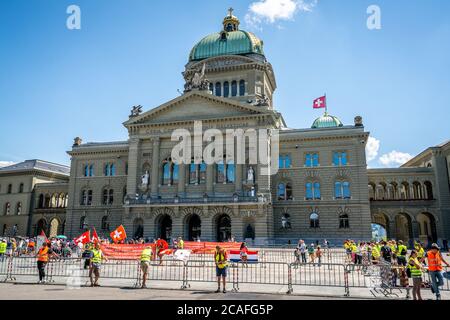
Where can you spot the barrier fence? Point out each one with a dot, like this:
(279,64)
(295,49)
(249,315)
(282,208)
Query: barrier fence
(290,275)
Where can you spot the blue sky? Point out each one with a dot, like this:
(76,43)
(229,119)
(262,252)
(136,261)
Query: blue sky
(56,83)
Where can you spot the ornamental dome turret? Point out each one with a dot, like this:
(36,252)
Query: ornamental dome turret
(229,41)
(327,121)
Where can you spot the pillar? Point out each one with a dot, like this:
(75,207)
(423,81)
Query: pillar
(238,182)
(181,179)
(155,167)
(209,179)
(133,166)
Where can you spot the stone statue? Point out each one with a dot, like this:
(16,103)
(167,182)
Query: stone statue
(285,223)
(195,79)
(144,181)
(262,101)
(135,111)
(250,175)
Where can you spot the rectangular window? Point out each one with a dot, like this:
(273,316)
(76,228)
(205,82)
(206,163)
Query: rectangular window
(308,160)
(315,160)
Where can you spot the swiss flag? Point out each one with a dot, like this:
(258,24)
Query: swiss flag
(119,234)
(84,238)
(320,102)
(95,238)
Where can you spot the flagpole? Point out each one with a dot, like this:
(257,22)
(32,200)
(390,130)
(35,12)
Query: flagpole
(326,106)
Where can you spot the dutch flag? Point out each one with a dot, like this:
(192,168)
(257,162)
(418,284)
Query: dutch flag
(235,256)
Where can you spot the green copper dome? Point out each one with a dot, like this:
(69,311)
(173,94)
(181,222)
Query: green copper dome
(227,43)
(326,121)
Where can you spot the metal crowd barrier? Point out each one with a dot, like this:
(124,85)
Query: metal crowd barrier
(293,275)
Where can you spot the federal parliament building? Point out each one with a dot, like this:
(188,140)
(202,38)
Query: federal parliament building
(322,188)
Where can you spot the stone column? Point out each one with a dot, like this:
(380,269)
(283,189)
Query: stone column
(177,224)
(208,233)
(181,179)
(239,174)
(237,225)
(415,230)
(209,179)
(155,167)
(133,156)
(392,229)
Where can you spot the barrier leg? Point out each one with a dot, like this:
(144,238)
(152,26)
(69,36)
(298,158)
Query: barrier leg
(346,283)
(9,268)
(235,271)
(139,275)
(185,283)
(290,288)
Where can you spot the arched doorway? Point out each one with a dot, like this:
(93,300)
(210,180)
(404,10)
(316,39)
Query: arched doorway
(41,226)
(138,228)
(427,228)
(380,227)
(165,227)
(223,228)
(403,227)
(194,227)
(54,227)
(249,232)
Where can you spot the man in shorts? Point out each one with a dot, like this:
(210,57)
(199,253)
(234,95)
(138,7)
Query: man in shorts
(95,264)
(220,258)
(146,257)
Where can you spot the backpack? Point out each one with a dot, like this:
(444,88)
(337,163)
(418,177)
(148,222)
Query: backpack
(387,252)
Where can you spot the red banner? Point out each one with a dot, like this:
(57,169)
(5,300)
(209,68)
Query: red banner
(133,251)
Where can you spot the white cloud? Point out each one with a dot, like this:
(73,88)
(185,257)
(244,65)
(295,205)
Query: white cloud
(394,158)
(6,163)
(270,11)
(372,147)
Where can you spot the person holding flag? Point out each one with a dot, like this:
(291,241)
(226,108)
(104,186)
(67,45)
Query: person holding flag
(119,234)
(96,261)
(95,237)
(146,256)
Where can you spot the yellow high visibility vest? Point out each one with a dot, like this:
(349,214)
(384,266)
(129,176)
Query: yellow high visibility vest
(3,247)
(181,244)
(146,255)
(97,258)
(221,257)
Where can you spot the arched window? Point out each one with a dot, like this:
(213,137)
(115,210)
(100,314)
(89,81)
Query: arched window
(340,159)
(21,188)
(86,197)
(343,221)
(110,170)
(105,224)
(41,201)
(9,188)
(218,90)
(86,171)
(7,208)
(170,172)
(230,172)
(233,88)
(211,87)
(342,190)
(314,220)
(226,89)
(197,173)
(285,161)
(47,202)
(429,190)
(108,196)
(91,170)
(284,191)
(313,191)
(19,208)
(242,87)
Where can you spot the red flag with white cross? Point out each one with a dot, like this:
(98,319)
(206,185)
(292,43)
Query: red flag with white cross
(84,238)
(119,234)
(95,238)
(320,102)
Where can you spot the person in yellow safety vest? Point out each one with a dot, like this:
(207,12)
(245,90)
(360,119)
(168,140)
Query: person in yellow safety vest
(146,257)
(401,252)
(420,252)
(354,249)
(220,258)
(375,253)
(415,267)
(348,250)
(96,261)
(3,246)
(180,244)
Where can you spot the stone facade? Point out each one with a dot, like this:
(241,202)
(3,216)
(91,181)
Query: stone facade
(322,189)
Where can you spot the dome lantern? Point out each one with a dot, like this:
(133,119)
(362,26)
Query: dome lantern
(230,22)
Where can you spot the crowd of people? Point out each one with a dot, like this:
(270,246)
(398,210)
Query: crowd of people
(404,264)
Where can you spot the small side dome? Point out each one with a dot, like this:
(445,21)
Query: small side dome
(326,121)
